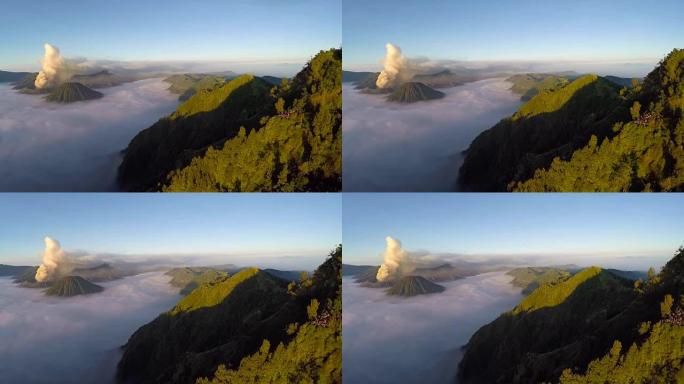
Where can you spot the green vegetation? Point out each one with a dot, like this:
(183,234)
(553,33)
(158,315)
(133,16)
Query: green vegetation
(249,328)
(187,85)
(553,295)
(577,331)
(299,149)
(71,92)
(212,294)
(314,352)
(187,279)
(532,277)
(72,286)
(589,136)
(530,84)
(414,285)
(247,135)
(553,123)
(412,92)
(208,118)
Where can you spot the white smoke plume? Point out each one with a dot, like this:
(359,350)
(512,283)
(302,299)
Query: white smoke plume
(57,263)
(55,68)
(397,262)
(396,68)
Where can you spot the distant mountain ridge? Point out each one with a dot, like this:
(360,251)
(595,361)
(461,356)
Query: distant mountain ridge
(10,77)
(13,270)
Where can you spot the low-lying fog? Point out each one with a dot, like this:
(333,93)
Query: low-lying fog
(417,147)
(389,339)
(74,147)
(75,340)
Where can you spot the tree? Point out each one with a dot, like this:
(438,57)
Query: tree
(666,306)
(635,110)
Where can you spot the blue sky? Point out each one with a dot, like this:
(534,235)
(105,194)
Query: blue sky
(160,224)
(610,225)
(133,30)
(622,30)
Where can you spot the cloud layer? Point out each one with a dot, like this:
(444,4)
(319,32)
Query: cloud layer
(417,147)
(75,340)
(417,340)
(74,147)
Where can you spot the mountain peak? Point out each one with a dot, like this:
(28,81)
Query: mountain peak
(413,286)
(412,92)
(70,92)
(72,286)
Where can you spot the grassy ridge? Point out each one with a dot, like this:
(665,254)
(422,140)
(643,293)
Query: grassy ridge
(251,323)
(530,84)
(209,295)
(299,149)
(577,331)
(553,123)
(647,152)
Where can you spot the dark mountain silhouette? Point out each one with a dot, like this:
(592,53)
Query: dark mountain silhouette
(14,270)
(353,76)
(354,270)
(10,77)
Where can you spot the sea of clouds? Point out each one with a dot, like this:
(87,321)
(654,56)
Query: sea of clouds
(389,339)
(75,340)
(417,147)
(74,147)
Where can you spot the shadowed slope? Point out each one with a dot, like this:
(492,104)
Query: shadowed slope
(645,153)
(578,331)
(209,117)
(219,327)
(553,123)
(214,322)
(299,149)
(553,328)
